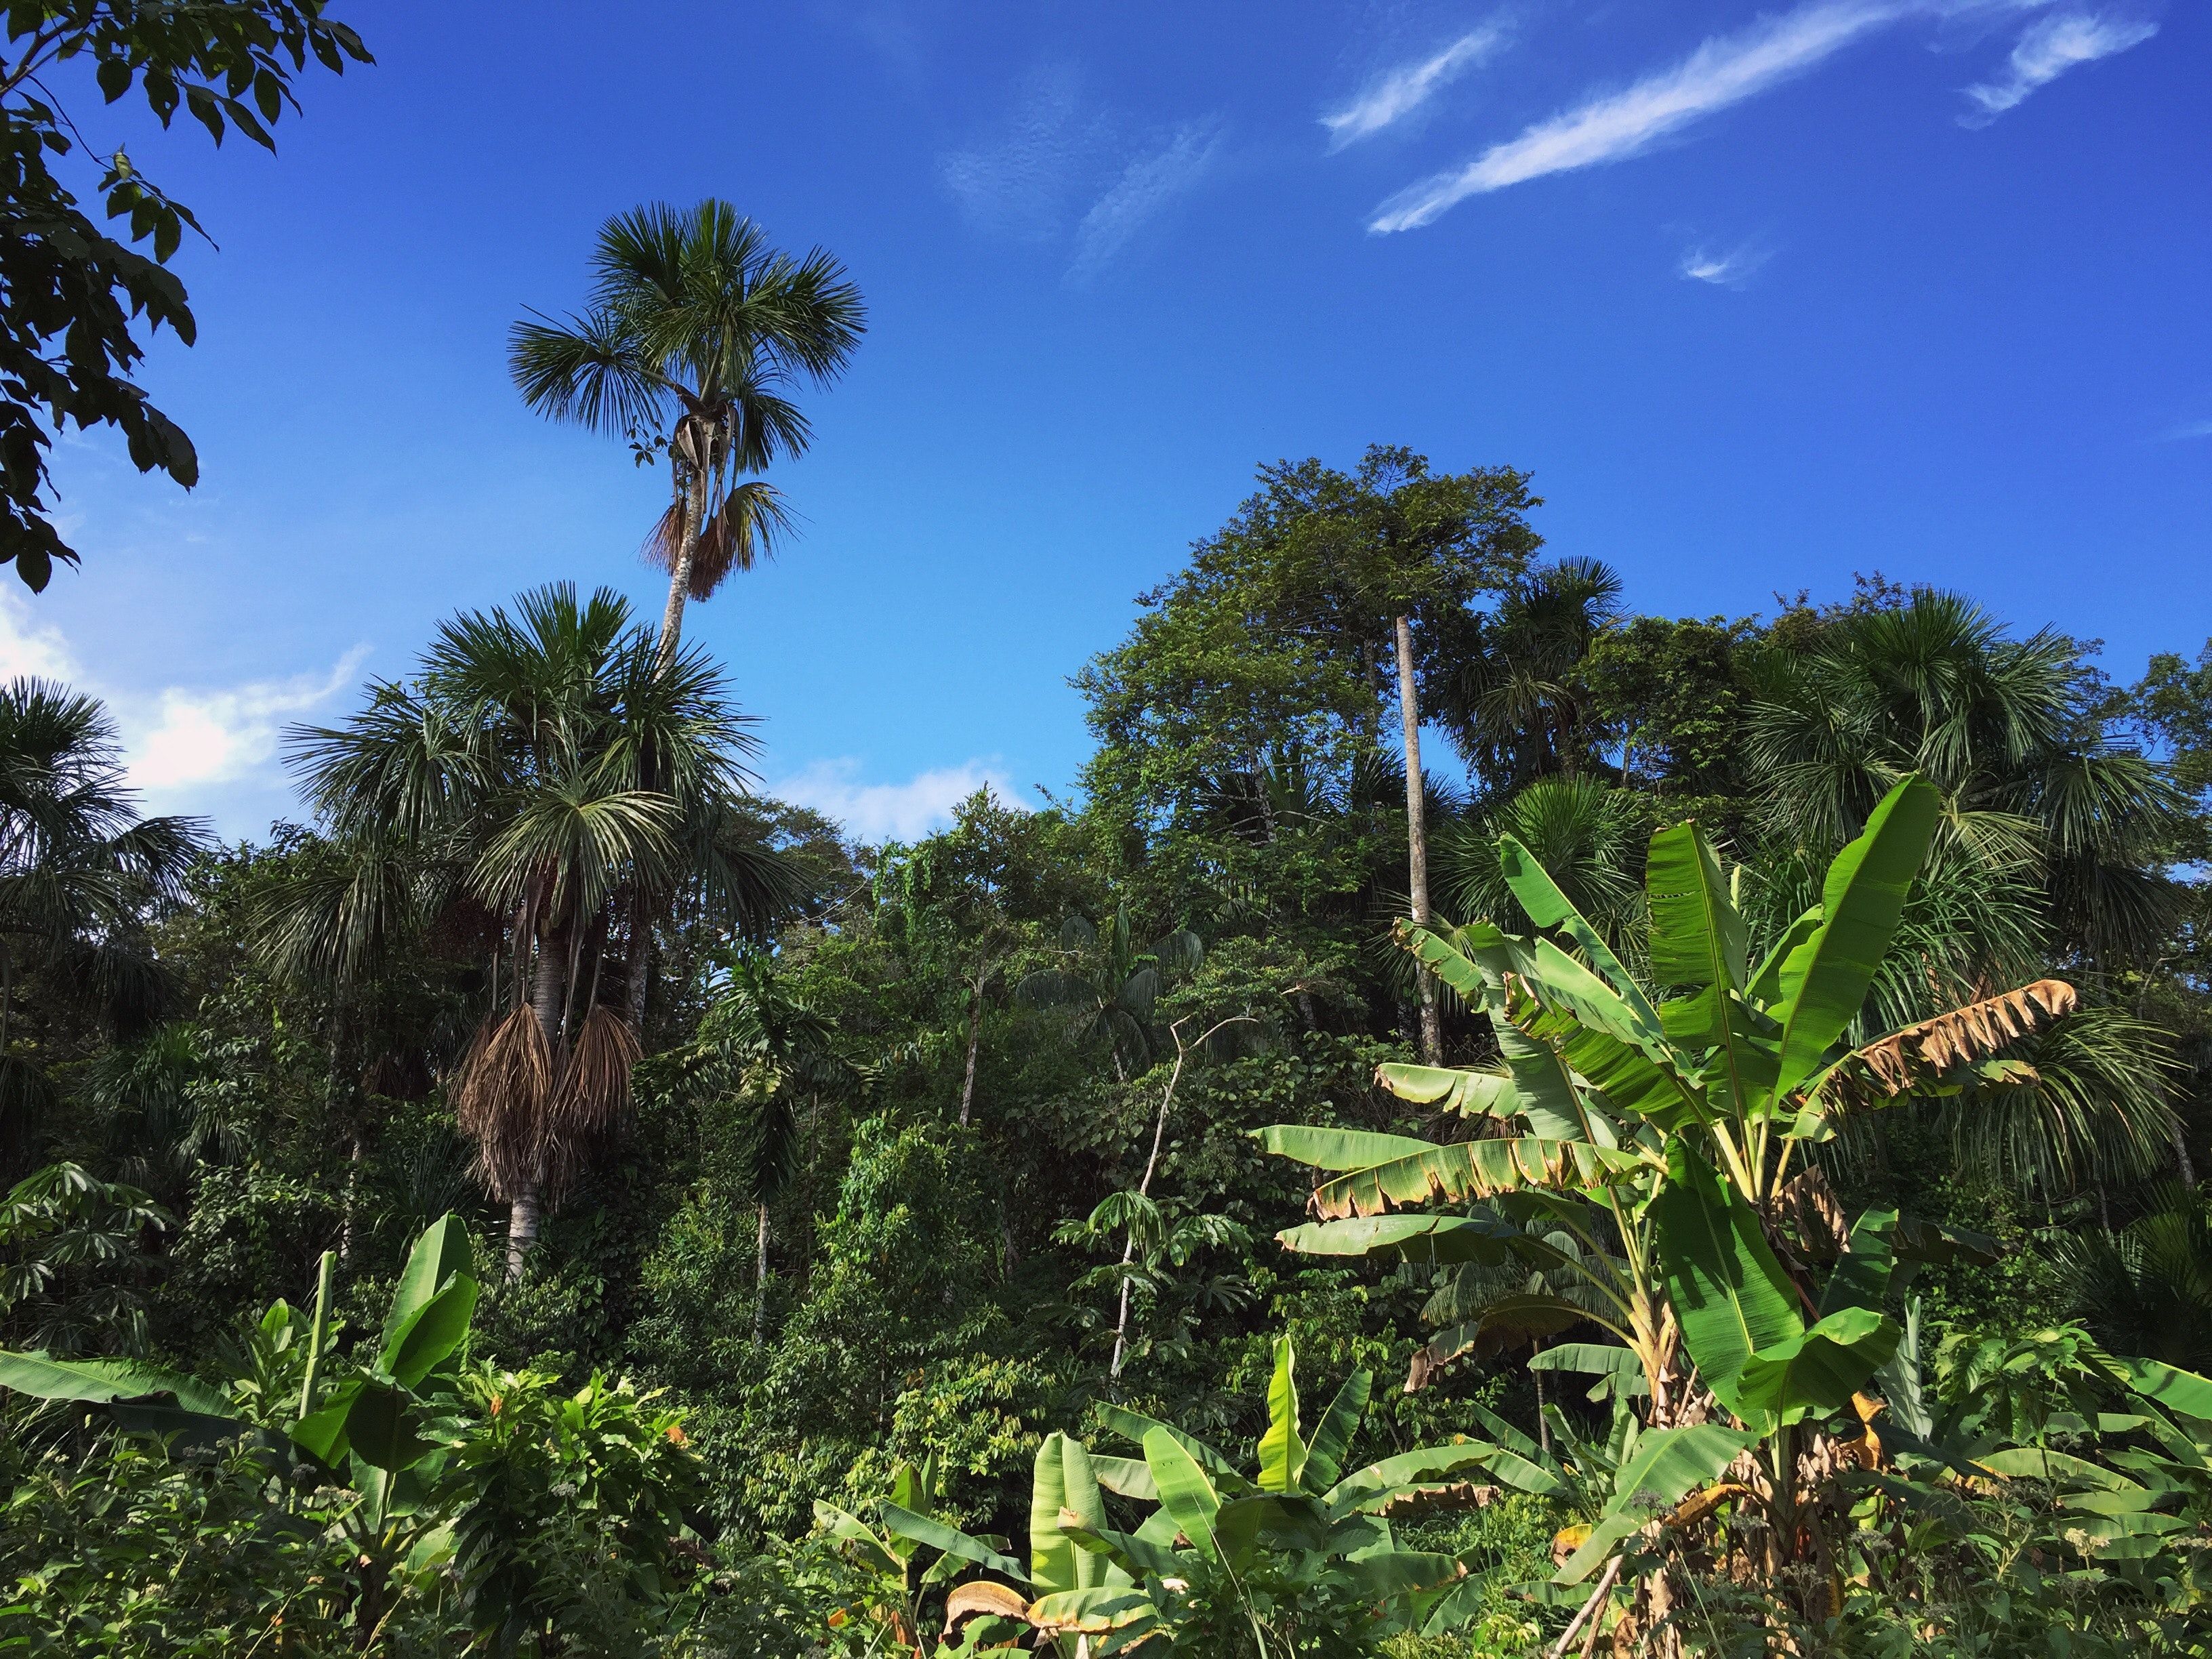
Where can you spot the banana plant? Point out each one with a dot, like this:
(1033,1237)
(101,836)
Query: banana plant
(890,1553)
(384,1429)
(1295,1518)
(1649,1125)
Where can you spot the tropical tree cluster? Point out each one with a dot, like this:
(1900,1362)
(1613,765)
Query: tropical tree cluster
(1489,1123)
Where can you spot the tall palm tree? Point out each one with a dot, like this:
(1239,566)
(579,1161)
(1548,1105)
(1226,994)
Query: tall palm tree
(1514,702)
(545,762)
(2011,731)
(695,329)
(81,875)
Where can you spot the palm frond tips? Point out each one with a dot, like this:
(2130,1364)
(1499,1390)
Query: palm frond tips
(501,1098)
(1977,1031)
(593,1096)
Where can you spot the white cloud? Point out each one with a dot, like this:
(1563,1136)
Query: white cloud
(889,811)
(2190,430)
(1731,269)
(193,739)
(1404,89)
(1725,71)
(31,649)
(182,745)
(1150,183)
(1018,177)
(2046,49)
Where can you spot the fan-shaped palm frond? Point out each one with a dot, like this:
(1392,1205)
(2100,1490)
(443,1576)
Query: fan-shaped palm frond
(697,325)
(2147,1289)
(2092,1105)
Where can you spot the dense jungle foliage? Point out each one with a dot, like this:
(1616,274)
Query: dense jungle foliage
(557,1200)
(1708,1164)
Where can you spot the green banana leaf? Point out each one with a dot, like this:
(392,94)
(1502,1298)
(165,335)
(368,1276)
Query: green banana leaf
(440,1253)
(1388,1574)
(429,1335)
(1628,1079)
(99,1382)
(1825,980)
(1440,1239)
(1471,1094)
(1742,1054)
(1617,1369)
(1332,1435)
(1862,1272)
(1185,1493)
(1336,1149)
(926,1529)
(1062,1479)
(1094,1611)
(1140,1558)
(1766,987)
(1697,940)
(2183,1393)
(1127,1477)
(1731,1296)
(1135,1426)
(1284,1520)
(1817,1370)
(1473,1169)
(381,1427)
(1559,978)
(856,1540)
(1547,1098)
(1667,1465)
(1548,907)
(1504,1323)
(1282,1453)
(1366,1489)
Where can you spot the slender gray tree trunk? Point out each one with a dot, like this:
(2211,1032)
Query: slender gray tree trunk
(760,1282)
(692,437)
(975,1042)
(2182,1161)
(1417,837)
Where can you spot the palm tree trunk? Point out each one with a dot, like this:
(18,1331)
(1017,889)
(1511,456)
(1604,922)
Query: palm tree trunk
(760,1282)
(549,997)
(521,1230)
(691,435)
(1417,835)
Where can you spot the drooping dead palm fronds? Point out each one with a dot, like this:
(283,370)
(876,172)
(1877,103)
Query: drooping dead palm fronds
(591,1096)
(501,1098)
(1975,1032)
(740,532)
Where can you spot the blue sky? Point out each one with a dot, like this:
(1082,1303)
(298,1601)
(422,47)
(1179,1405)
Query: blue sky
(1762,298)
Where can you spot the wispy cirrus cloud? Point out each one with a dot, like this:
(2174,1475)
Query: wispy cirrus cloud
(1397,92)
(1149,185)
(2190,429)
(1059,167)
(875,813)
(1018,177)
(2047,48)
(1725,71)
(1732,267)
